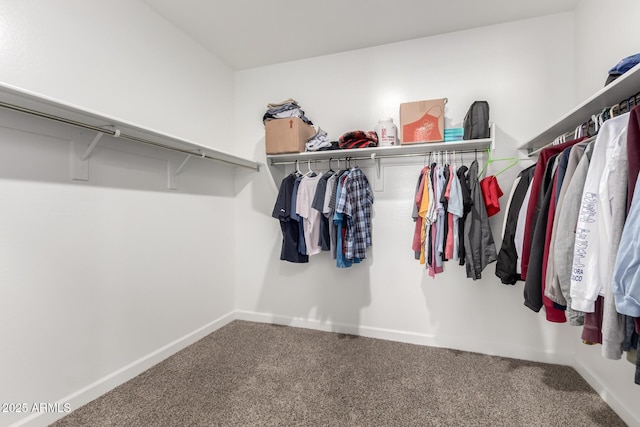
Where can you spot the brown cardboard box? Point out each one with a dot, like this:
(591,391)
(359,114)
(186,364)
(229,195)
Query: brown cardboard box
(287,135)
(422,121)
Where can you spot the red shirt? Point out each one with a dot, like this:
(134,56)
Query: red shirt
(491,192)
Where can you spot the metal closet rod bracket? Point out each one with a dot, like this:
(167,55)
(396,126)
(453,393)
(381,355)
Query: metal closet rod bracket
(110,130)
(377,162)
(186,160)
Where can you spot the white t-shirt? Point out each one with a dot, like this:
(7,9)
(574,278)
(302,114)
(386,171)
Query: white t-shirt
(311,217)
(593,230)
(456,208)
(518,239)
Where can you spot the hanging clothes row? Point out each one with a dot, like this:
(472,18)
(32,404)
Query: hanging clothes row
(569,238)
(325,212)
(451,218)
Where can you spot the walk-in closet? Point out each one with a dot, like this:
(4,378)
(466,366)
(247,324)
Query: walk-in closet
(143,273)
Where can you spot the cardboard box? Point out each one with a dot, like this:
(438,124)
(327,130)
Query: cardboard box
(422,121)
(287,135)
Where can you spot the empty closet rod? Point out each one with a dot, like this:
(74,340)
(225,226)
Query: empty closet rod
(376,157)
(114,132)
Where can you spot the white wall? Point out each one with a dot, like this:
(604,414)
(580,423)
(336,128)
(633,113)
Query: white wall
(120,59)
(101,279)
(390,295)
(605,33)
(595,55)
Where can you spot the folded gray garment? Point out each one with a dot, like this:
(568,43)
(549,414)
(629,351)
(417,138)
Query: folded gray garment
(286,101)
(281,108)
(296,112)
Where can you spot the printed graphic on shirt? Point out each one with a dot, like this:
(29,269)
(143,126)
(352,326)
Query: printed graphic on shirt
(587,215)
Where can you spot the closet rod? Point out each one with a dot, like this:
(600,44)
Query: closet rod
(114,132)
(376,157)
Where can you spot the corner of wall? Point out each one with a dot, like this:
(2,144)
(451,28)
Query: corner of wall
(622,403)
(124,374)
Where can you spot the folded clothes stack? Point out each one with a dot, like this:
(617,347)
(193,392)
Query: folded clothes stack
(284,110)
(453,134)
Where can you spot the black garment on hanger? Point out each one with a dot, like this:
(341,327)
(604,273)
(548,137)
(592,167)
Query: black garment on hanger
(467,203)
(324,240)
(638,365)
(629,334)
(290,227)
(506,265)
(445,203)
(533,282)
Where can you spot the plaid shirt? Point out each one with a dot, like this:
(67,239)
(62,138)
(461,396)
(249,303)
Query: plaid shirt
(355,202)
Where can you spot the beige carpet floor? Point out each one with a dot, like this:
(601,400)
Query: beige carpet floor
(252,374)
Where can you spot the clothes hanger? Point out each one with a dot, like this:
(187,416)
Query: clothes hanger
(613,111)
(330,168)
(596,121)
(512,164)
(624,106)
(490,159)
(310,172)
(631,102)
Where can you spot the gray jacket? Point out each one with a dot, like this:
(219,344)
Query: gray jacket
(613,323)
(565,239)
(479,244)
(552,289)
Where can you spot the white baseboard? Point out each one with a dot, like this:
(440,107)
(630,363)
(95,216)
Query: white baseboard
(598,384)
(501,349)
(135,368)
(109,382)
(493,349)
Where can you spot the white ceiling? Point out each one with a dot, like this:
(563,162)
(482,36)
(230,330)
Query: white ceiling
(252,33)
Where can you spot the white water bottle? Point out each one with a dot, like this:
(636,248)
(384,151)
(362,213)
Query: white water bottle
(386,131)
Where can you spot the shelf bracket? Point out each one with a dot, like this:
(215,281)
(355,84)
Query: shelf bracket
(172,175)
(378,183)
(183,164)
(80,154)
(91,146)
(87,153)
